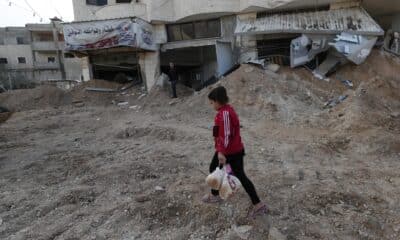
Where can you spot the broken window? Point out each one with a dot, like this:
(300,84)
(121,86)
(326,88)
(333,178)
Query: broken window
(68,55)
(51,59)
(20,40)
(124,1)
(174,33)
(214,28)
(194,30)
(96,2)
(187,31)
(21,60)
(3,61)
(45,37)
(200,28)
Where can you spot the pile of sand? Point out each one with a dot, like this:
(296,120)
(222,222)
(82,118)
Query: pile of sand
(36,98)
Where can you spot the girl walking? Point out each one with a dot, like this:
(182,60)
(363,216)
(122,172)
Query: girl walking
(229,149)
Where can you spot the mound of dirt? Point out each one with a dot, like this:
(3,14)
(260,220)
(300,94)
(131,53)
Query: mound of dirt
(79,93)
(36,98)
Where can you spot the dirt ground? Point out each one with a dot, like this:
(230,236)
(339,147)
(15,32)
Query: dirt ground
(78,166)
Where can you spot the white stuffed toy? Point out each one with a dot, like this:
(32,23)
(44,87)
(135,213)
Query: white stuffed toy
(224,181)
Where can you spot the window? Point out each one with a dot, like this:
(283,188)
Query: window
(3,61)
(68,55)
(174,33)
(187,31)
(51,59)
(21,60)
(214,28)
(124,1)
(20,40)
(96,2)
(200,28)
(194,30)
(45,37)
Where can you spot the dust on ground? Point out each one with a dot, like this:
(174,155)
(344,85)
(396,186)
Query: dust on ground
(103,171)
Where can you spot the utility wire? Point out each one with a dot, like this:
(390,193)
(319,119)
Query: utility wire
(55,9)
(33,10)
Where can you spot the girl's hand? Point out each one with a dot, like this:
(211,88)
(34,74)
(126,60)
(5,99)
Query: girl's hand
(221,158)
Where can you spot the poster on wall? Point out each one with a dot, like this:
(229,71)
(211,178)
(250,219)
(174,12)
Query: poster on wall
(103,34)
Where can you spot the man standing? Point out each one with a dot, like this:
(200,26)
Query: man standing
(173,78)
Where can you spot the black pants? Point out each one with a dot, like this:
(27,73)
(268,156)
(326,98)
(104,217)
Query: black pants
(236,162)
(173,88)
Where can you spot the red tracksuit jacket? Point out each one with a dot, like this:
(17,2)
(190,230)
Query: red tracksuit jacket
(227,131)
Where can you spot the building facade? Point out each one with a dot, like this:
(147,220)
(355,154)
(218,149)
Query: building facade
(202,37)
(35,53)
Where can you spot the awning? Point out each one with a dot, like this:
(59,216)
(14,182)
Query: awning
(103,34)
(350,20)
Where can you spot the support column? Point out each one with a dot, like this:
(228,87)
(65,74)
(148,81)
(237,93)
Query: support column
(247,44)
(86,69)
(150,68)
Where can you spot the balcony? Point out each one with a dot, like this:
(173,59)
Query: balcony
(46,66)
(46,46)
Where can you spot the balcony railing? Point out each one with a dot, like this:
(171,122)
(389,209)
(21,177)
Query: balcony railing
(46,46)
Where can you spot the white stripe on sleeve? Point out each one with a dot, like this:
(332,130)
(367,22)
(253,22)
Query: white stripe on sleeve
(227,128)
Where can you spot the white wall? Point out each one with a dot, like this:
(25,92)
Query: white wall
(164,11)
(84,12)
(73,68)
(12,52)
(42,57)
(150,67)
(224,57)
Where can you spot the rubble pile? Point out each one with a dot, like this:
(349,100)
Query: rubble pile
(322,154)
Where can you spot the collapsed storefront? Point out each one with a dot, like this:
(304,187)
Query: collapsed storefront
(320,39)
(118,49)
(202,51)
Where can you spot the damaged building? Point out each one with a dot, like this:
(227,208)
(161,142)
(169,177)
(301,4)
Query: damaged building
(136,40)
(35,53)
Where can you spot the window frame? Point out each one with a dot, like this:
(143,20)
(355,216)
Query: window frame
(21,58)
(20,40)
(3,62)
(123,1)
(97,2)
(206,34)
(53,61)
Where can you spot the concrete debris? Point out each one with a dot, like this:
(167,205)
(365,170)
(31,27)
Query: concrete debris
(159,189)
(395,47)
(392,43)
(243,231)
(355,48)
(1,221)
(331,63)
(273,67)
(257,62)
(122,104)
(333,102)
(142,96)
(275,234)
(348,83)
(248,69)
(307,47)
(134,107)
(105,90)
